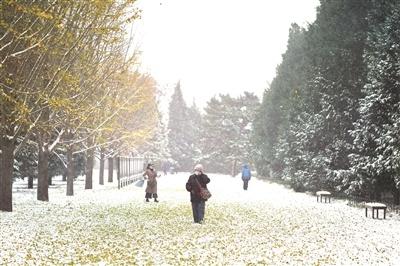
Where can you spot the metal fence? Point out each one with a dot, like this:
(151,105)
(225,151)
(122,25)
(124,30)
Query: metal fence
(130,169)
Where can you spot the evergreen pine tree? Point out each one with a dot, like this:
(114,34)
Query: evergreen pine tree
(309,111)
(195,131)
(215,131)
(376,164)
(180,143)
(226,132)
(282,103)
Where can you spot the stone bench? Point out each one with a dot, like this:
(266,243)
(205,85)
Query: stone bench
(375,206)
(323,194)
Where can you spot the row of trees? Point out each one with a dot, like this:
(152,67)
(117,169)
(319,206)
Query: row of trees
(219,137)
(69,86)
(331,116)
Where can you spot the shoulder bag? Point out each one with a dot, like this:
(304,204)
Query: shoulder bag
(203,192)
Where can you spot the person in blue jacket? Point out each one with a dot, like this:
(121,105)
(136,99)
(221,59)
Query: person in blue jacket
(246,176)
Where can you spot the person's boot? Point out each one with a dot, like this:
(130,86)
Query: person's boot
(147,200)
(155,200)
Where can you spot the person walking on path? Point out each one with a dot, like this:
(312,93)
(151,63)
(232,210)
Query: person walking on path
(151,189)
(165,167)
(246,175)
(192,185)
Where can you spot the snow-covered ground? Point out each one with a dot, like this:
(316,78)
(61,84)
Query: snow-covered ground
(268,224)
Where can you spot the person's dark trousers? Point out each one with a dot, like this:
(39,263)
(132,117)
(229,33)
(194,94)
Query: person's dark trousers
(245,184)
(198,209)
(149,195)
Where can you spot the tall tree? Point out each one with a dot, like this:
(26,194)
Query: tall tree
(282,103)
(309,111)
(194,131)
(216,130)
(226,132)
(179,140)
(376,164)
(50,69)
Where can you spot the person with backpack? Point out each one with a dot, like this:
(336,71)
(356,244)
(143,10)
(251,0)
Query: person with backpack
(151,189)
(197,181)
(246,176)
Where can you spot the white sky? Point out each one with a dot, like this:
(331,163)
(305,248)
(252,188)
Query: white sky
(217,46)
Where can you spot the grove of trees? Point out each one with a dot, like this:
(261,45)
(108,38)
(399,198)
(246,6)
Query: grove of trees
(330,119)
(70,89)
(219,137)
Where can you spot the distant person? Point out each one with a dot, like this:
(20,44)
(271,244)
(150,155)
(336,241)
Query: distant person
(197,179)
(246,175)
(172,170)
(151,189)
(175,168)
(165,167)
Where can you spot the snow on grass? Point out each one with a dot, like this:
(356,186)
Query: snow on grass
(268,224)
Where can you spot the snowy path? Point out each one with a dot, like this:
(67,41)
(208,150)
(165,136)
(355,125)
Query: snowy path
(268,224)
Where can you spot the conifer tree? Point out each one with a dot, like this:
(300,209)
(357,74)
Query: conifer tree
(309,111)
(195,131)
(376,163)
(226,132)
(180,142)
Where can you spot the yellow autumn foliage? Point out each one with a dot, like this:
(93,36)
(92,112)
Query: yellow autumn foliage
(68,57)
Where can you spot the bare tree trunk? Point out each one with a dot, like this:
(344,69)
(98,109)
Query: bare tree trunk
(234,167)
(396,196)
(110,169)
(377,194)
(101,170)
(43,160)
(6,170)
(64,176)
(89,169)
(30,181)
(119,172)
(70,171)
(43,171)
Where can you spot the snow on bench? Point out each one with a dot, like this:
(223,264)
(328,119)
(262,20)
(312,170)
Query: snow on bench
(375,206)
(323,194)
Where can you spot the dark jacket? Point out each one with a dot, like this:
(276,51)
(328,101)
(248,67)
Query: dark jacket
(193,188)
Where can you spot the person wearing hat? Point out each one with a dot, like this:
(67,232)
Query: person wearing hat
(198,178)
(151,189)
